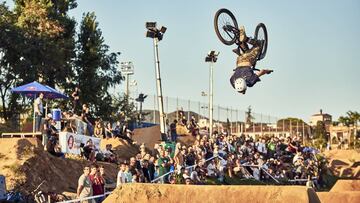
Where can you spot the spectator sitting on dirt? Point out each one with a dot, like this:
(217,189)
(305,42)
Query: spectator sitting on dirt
(99,130)
(193,126)
(118,129)
(89,150)
(108,131)
(53,147)
(109,154)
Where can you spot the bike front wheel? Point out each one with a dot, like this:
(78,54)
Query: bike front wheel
(226,27)
(261,34)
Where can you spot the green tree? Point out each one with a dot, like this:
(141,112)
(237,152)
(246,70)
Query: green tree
(12,65)
(96,68)
(320,130)
(354,118)
(49,44)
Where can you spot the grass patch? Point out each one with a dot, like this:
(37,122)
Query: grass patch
(2,156)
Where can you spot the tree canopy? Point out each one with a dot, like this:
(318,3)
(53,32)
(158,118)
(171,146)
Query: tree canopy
(39,42)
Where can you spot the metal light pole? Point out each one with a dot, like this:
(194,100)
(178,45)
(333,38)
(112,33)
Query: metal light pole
(127,68)
(157,35)
(212,58)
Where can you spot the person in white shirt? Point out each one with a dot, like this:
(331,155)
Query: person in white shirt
(121,177)
(39,111)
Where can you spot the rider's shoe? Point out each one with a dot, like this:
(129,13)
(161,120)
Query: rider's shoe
(236,51)
(242,37)
(266,71)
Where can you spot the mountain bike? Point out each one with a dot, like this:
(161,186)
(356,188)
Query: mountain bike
(227,30)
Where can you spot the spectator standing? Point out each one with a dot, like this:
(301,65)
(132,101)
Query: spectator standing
(86,117)
(98,183)
(39,110)
(76,99)
(84,186)
(173,133)
(121,177)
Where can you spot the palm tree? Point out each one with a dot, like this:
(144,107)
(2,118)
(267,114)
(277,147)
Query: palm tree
(354,118)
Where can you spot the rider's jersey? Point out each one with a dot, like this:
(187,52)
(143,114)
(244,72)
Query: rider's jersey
(247,73)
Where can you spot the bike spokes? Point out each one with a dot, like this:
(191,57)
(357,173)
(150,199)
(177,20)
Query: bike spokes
(225,26)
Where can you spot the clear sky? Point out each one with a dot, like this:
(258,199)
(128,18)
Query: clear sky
(313,48)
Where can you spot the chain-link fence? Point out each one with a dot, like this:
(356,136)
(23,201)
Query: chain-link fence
(235,120)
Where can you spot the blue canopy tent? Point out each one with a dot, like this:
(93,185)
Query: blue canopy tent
(34,89)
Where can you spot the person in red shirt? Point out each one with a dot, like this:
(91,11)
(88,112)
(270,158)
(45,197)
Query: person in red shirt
(98,183)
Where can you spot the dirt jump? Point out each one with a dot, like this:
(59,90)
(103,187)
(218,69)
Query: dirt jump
(194,193)
(151,136)
(343,191)
(344,163)
(25,165)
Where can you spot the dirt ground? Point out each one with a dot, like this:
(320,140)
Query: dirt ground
(346,185)
(195,193)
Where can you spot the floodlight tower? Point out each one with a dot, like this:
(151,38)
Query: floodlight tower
(211,58)
(157,35)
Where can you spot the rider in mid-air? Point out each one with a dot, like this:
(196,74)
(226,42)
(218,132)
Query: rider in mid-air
(244,74)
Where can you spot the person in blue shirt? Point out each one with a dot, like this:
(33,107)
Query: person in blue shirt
(244,74)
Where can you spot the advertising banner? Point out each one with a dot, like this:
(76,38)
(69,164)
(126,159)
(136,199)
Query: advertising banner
(71,143)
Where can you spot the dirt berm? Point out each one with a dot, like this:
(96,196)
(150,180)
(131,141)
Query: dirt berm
(25,165)
(346,191)
(195,193)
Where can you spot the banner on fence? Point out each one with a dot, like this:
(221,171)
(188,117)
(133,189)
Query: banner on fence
(70,143)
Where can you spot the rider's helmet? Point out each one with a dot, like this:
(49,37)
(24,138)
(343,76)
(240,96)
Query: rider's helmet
(240,84)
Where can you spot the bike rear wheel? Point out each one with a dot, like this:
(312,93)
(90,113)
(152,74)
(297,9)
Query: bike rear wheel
(226,26)
(261,34)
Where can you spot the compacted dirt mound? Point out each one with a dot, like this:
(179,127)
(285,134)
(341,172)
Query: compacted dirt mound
(346,185)
(193,193)
(25,165)
(186,140)
(339,197)
(149,136)
(344,163)
(121,148)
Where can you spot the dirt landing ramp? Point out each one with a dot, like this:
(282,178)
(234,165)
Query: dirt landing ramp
(339,197)
(346,185)
(183,193)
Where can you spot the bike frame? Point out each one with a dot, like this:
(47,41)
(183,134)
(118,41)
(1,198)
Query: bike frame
(229,28)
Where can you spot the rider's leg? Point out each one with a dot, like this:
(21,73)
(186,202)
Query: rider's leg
(263,72)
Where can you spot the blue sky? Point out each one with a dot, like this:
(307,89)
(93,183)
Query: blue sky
(313,48)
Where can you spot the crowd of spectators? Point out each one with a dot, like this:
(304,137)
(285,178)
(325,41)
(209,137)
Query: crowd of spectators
(223,156)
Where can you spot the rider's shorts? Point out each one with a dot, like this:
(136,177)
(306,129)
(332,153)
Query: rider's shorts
(247,73)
